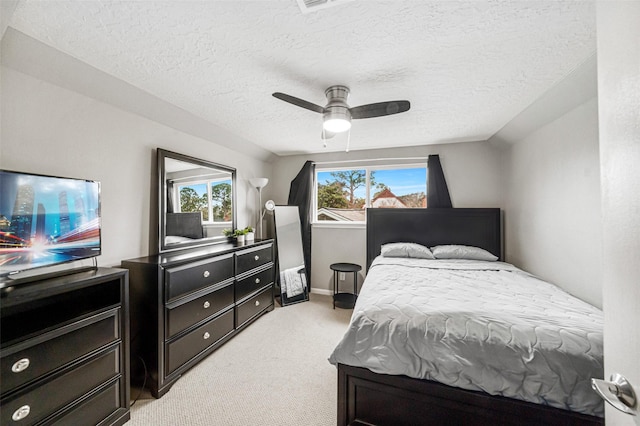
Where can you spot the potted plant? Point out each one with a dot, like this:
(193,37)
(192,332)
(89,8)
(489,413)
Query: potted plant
(240,235)
(229,233)
(250,235)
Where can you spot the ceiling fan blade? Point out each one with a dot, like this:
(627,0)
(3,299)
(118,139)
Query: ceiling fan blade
(379,109)
(299,102)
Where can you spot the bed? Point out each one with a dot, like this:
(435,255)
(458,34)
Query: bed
(183,227)
(458,341)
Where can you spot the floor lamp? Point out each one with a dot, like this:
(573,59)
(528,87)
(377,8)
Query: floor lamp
(259,183)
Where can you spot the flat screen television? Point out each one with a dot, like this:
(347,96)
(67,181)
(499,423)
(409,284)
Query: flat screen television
(46,220)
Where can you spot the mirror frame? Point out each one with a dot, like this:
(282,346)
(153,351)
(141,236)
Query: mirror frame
(162,155)
(301,297)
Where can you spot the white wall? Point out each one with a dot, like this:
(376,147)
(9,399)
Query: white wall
(51,130)
(619,95)
(66,118)
(552,203)
(473,176)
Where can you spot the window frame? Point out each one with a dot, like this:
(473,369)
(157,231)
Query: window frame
(368,170)
(208,183)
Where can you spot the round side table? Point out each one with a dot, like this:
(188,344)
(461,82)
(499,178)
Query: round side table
(345,300)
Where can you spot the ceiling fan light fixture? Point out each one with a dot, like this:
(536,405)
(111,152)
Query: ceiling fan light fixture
(337,120)
(337,114)
(337,125)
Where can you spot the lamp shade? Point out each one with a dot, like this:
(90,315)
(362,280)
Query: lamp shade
(259,182)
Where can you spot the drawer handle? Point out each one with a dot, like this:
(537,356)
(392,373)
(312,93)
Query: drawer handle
(206,335)
(206,304)
(257,280)
(257,303)
(206,274)
(20,365)
(21,413)
(256,257)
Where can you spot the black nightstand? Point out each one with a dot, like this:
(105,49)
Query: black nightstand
(345,300)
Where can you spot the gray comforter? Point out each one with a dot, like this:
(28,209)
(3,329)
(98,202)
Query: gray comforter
(476,325)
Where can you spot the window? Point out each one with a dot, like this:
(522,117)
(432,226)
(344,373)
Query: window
(212,198)
(343,194)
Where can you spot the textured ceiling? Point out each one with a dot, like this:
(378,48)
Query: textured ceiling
(468,67)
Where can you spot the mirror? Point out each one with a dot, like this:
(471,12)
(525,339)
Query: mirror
(196,201)
(292,274)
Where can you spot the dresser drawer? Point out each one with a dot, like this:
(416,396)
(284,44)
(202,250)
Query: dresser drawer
(32,315)
(253,306)
(95,409)
(53,395)
(38,356)
(185,315)
(193,276)
(253,283)
(249,259)
(190,345)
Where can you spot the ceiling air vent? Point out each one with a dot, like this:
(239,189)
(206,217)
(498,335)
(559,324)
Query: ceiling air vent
(312,5)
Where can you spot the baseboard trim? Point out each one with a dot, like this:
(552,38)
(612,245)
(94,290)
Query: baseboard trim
(323,291)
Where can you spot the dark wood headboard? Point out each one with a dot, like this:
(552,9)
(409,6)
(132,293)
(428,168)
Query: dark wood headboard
(430,227)
(185,225)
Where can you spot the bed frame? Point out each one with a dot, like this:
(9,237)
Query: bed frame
(432,227)
(186,224)
(367,398)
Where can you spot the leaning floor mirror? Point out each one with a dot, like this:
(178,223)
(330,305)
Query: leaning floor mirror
(292,275)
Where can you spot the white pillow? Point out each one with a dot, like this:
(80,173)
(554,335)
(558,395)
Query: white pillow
(406,250)
(462,252)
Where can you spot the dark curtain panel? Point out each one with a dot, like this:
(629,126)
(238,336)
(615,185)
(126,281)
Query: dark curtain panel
(437,191)
(300,195)
(169,197)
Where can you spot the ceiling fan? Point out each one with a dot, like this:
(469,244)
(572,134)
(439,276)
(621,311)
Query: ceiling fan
(337,114)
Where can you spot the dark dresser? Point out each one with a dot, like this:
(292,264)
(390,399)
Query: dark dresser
(64,356)
(186,303)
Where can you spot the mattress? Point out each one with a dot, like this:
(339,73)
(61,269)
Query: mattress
(483,326)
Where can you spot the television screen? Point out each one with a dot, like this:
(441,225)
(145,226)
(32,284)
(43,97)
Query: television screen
(46,220)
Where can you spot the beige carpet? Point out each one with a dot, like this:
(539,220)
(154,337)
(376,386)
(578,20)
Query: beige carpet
(275,372)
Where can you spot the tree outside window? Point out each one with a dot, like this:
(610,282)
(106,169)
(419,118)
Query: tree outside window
(221,202)
(343,195)
(212,199)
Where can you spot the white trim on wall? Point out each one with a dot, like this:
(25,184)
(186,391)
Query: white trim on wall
(322,291)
